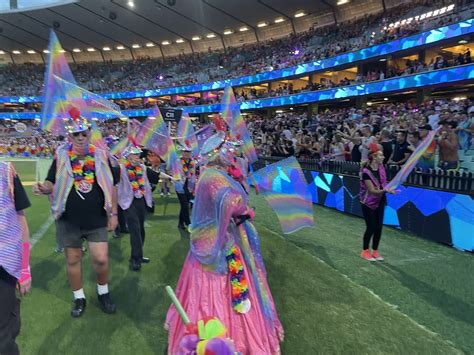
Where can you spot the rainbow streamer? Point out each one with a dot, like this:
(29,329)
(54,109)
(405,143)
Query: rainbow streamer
(410,164)
(61,92)
(284,187)
(230,112)
(186,133)
(153,135)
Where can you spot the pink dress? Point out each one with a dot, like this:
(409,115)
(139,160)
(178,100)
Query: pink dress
(204,288)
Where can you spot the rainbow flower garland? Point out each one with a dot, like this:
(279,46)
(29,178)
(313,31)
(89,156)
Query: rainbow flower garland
(135,175)
(240,287)
(187,172)
(82,172)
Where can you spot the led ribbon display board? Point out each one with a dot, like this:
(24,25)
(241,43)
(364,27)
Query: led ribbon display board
(441,76)
(441,216)
(411,42)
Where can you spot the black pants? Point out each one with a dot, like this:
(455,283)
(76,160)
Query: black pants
(374,224)
(135,217)
(184,210)
(184,202)
(9,318)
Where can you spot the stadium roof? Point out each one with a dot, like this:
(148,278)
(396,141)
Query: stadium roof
(110,23)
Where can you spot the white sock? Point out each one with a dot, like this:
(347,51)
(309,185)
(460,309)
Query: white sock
(102,289)
(79,294)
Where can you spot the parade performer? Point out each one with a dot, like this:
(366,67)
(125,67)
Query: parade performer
(372,196)
(224,275)
(134,194)
(14,255)
(84,205)
(185,187)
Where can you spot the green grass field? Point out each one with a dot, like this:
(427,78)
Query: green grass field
(419,301)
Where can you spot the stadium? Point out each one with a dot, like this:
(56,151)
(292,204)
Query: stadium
(236,177)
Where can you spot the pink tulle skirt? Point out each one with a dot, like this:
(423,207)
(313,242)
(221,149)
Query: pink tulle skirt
(206,294)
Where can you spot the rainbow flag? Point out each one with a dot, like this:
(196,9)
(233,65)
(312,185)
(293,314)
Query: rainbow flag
(284,187)
(186,135)
(153,135)
(96,137)
(410,164)
(61,92)
(230,112)
(120,146)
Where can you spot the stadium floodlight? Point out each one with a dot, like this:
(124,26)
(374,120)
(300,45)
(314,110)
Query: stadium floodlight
(16,52)
(76,50)
(135,46)
(210,35)
(45,51)
(106,49)
(300,14)
(120,47)
(180,40)
(262,24)
(196,38)
(279,19)
(2,52)
(30,51)
(131,3)
(165,43)
(228,31)
(91,49)
(150,44)
(342,2)
(243,29)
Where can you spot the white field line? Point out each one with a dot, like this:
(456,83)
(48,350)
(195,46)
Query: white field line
(41,231)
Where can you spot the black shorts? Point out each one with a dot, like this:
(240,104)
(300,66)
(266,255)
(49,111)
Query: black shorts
(9,318)
(71,236)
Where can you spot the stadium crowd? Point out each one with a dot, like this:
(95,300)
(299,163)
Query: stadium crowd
(342,134)
(316,43)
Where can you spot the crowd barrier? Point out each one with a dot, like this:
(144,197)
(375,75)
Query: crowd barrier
(434,205)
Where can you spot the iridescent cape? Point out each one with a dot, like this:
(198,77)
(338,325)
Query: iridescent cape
(219,203)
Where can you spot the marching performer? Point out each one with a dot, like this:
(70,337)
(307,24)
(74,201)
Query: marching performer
(224,275)
(134,194)
(81,182)
(185,187)
(14,255)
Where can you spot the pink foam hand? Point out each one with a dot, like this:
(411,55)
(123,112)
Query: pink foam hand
(250,212)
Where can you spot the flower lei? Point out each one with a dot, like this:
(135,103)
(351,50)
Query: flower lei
(188,171)
(82,172)
(238,282)
(135,175)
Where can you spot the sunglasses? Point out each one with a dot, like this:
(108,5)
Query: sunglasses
(77,134)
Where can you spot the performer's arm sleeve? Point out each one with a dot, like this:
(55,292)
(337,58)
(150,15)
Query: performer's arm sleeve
(51,177)
(21,198)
